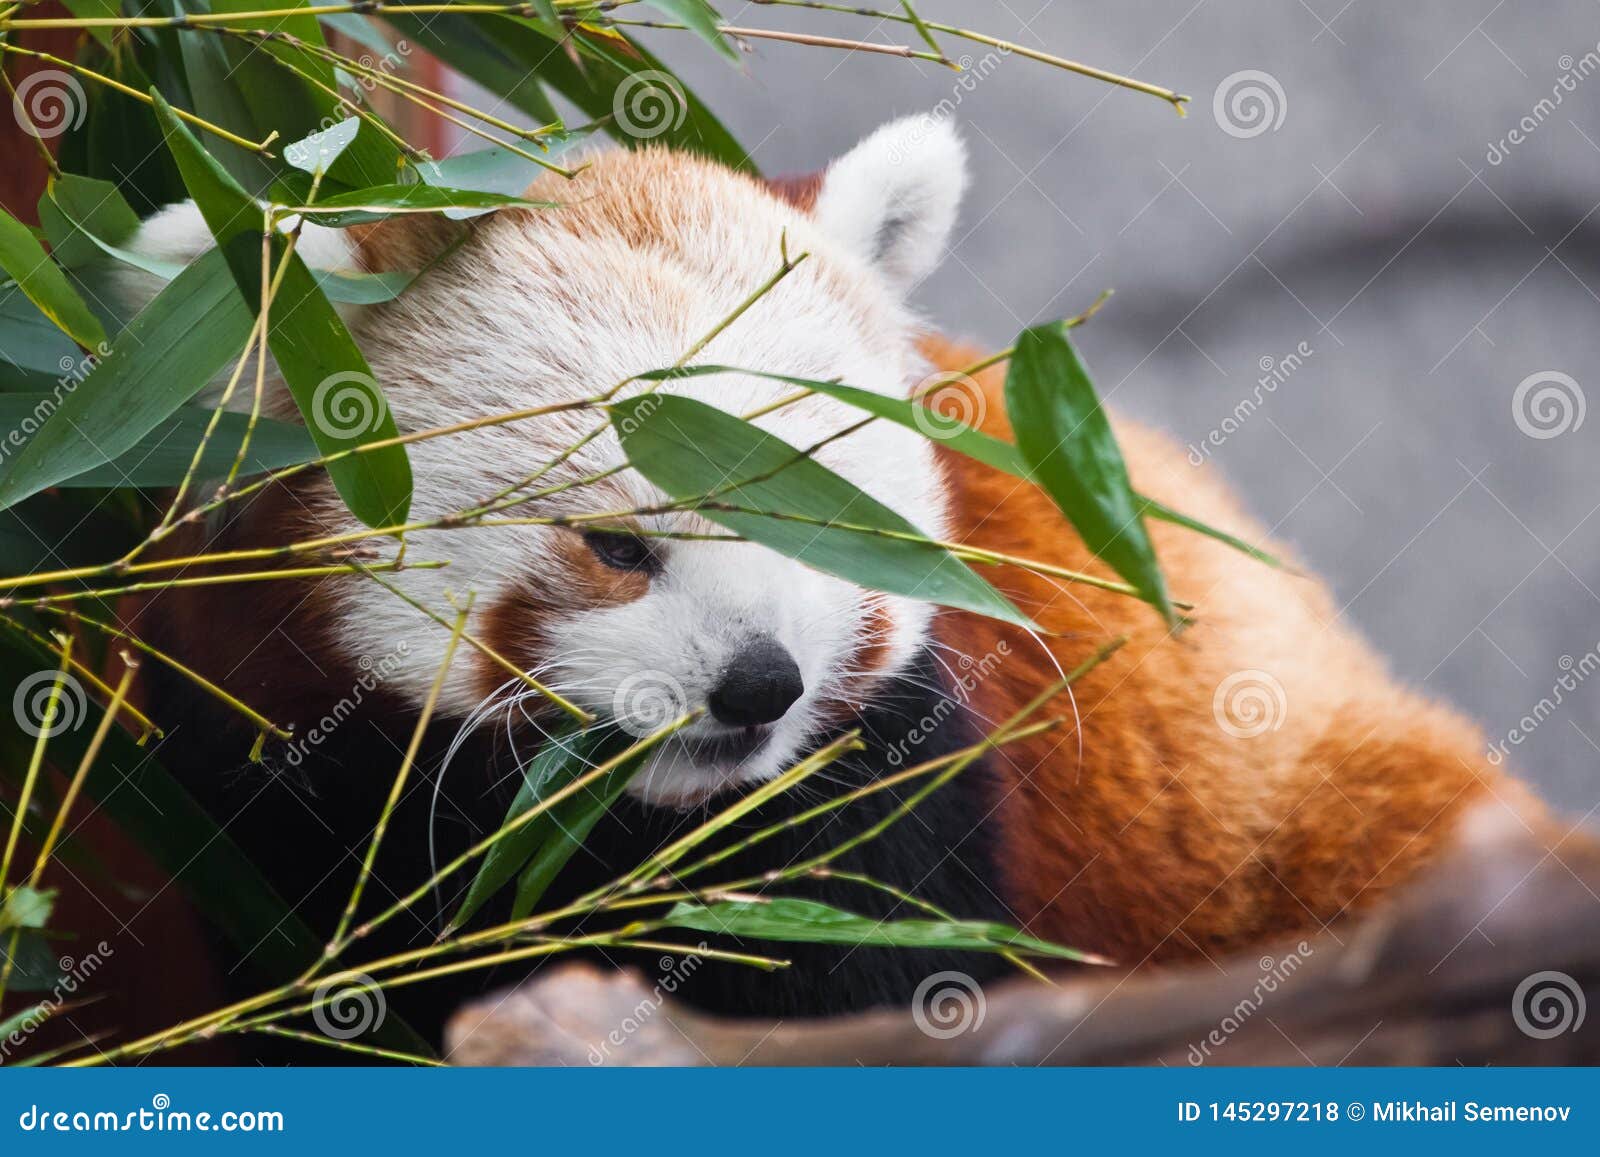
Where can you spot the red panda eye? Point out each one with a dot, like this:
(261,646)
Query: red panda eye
(622,551)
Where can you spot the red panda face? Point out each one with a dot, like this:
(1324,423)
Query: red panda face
(649,253)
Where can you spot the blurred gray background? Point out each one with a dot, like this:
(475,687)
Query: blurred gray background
(1363,197)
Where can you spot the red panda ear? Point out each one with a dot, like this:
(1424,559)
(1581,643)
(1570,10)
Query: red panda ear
(893,199)
(799,189)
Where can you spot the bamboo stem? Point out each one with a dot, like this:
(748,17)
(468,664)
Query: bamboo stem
(144,97)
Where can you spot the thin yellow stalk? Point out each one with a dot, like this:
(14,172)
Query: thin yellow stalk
(87,674)
(487,651)
(199,680)
(143,97)
(398,787)
(46,728)
(28,126)
(348,1046)
(210,580)
(663,859)
(90,754)
(1176,99)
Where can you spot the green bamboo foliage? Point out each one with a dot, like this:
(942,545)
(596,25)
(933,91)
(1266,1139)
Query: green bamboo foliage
(252,109)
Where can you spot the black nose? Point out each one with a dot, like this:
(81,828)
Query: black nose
(759,685)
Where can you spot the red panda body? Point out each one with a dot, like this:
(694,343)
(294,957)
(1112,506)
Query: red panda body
(1257,774)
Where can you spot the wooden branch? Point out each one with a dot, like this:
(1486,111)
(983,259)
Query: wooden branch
(1428,980)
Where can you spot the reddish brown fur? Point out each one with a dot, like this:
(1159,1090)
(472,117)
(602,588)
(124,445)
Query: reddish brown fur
(1168,836)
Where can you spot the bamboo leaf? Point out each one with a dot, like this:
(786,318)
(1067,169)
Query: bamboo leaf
(701,19)
(316,153)
(165,356)
(806,921)
(1154,509)
(41,280)
(958,436)
(573,819)
(557,763)
(26,907)
(319,361)
(518,57)
(162,455)
(80,215)
(690,450)
(362,205)
(1065,438)
(29,344)
(63,217)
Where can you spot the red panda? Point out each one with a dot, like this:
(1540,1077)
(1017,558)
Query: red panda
(1254,775)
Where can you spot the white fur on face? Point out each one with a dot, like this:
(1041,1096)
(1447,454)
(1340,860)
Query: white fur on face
(654,251)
